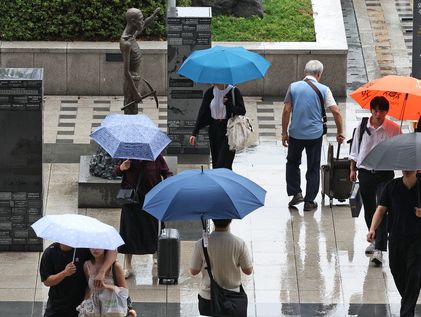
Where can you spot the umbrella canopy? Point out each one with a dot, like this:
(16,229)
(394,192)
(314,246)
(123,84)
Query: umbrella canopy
(130,137)
(122,119)
(403,94)
(224,65)
(401,152)
(78,231)
(211,194)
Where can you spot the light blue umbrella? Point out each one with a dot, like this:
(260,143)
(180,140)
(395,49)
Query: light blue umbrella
(224,65)
(130,137)
(211,194)
(121,119)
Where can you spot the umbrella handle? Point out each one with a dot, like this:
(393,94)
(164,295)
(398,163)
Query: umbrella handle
(419,189)
(74,254)
(403,109)
(203,222)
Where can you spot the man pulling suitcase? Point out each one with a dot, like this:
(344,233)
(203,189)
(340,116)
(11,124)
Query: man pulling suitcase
(305,103)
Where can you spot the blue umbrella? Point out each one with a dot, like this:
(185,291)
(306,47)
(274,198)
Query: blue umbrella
(224,65)
(129,138)
(211,194)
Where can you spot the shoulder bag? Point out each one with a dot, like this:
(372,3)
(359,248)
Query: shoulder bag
(225,302)
(238,130)
(322,103)
(130,196)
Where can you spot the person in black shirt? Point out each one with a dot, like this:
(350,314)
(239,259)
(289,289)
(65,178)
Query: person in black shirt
(400,200)
(66,278)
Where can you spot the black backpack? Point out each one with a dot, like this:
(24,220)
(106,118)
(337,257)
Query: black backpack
(363,128)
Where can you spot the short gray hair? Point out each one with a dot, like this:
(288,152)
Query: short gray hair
(313,67)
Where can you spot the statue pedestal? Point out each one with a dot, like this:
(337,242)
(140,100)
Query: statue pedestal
(96,192)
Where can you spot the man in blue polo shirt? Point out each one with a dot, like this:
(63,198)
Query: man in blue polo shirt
(304,100)
(400,200)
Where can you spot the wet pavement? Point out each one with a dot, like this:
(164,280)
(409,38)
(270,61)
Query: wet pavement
(305,263)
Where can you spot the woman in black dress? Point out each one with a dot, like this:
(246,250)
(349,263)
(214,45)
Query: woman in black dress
(217,107)
(138,228)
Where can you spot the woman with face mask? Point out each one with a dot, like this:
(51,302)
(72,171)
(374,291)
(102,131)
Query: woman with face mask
(219,103)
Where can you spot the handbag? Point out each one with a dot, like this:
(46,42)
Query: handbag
(225,302)
(239,129)
(114,303)
(129,196)
(355,200)
(317,91)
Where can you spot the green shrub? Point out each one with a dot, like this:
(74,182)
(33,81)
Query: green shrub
(104,20)
(90,20)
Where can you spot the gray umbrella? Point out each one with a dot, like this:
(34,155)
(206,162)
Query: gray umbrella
(401,152)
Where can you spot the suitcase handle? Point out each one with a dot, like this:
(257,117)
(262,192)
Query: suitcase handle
(337,153)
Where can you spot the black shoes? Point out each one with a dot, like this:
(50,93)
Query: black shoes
(298,198)
(310,205)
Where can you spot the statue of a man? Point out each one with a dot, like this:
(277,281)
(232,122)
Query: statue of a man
(132,56)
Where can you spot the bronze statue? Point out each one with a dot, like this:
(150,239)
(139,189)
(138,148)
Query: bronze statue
(131,58)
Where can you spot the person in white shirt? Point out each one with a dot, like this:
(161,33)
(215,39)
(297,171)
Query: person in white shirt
(378,129)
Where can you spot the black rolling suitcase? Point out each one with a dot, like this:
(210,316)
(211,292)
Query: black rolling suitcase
(169,256)
(335,177)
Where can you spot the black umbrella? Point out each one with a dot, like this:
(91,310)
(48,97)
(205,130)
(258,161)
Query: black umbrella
(401,152)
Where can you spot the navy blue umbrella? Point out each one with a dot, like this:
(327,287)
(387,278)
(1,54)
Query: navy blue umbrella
(210,194)
(224,65)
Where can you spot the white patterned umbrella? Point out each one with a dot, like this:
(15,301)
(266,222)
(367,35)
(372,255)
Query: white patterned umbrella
(130,137)
(78,231)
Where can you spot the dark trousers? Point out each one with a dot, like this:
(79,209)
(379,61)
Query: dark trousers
(313,150)
(405,265)
(371,187)
(220,152)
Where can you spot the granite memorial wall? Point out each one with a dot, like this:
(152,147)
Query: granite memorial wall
(188,29)
(21,96)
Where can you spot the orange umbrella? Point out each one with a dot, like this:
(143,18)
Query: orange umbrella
(403,94)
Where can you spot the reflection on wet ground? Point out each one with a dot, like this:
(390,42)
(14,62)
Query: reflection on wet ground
(306,263)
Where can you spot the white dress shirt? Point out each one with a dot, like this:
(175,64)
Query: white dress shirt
(387,130)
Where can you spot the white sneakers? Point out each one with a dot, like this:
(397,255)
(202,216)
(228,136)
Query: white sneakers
(370,248)
(377,257)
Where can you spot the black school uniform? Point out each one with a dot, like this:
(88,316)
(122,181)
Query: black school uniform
(64,297)
(404,242)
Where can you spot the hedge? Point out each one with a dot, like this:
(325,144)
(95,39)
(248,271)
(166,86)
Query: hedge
(69,20)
